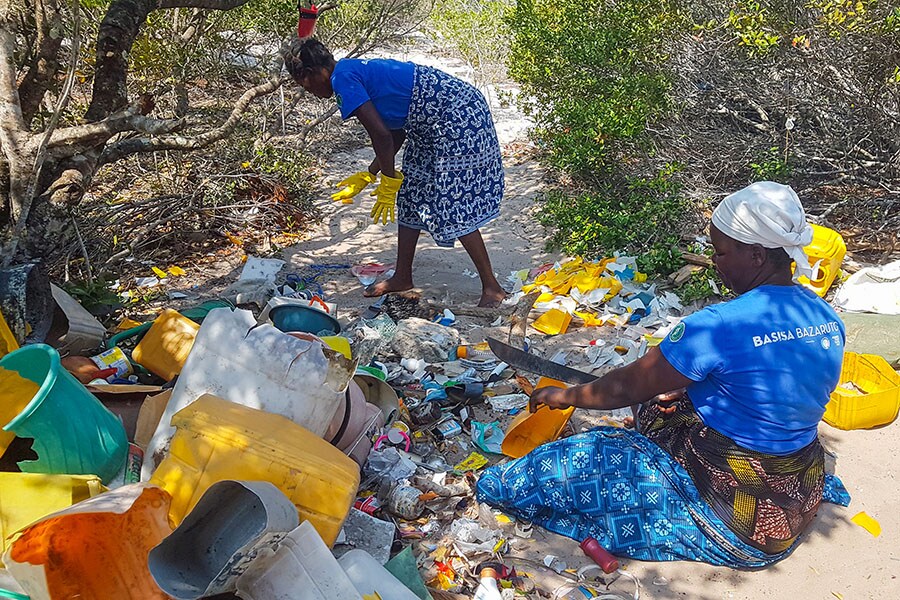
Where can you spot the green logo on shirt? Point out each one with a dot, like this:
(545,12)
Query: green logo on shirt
(677,333)
(338,99)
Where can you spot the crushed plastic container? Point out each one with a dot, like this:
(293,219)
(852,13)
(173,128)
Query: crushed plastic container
(165,347)
(825,254)
(868,394)
(27,497)
(369,577)
(259,367)
(218,440)
(529,430)
(74,434)
(301,567)
(234,522)
(95,550)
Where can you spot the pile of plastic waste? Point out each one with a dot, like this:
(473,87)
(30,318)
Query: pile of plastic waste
(262,445)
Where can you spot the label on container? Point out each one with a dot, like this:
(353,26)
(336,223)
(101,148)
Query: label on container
(113,358)
(133,465)
(447,429)
(367,505)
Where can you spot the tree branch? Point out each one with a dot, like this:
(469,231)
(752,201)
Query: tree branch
(130,119)
(172,142)
(207,4)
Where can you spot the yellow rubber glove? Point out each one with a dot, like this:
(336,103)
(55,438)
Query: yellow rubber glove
(352,186)
(386,198)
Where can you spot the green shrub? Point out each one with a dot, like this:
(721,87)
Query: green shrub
(640,216)
(591,74)
(772,165)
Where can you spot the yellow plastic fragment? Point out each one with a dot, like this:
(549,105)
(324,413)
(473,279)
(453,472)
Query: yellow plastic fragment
(590,319)
(553,322)
(473,462)
(867,523)
(8,341)
(176,271)
(159,272)
(125,324)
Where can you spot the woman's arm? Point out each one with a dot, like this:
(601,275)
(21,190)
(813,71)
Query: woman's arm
(399,136)
(638,382)
(381,137)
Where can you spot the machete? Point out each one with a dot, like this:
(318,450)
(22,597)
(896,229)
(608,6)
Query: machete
(535,364)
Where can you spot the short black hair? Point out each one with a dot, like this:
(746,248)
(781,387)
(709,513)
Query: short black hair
(778,257)
(304,56)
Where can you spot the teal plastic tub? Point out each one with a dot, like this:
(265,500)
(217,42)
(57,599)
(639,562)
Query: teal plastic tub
(74,434)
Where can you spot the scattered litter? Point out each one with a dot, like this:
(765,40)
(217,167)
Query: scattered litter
(146,282)
(508,402)
(367,274)
(488,436)
(265,269)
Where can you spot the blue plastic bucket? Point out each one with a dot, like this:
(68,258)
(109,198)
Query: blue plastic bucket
(296,317)
(74,434)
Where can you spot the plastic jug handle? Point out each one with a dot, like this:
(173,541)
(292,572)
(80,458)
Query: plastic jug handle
(316,299)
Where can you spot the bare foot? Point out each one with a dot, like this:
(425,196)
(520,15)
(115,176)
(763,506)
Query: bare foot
(394,284)
(491,298)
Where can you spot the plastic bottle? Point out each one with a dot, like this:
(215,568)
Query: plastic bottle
(480,352)
(599,555)
(488,589)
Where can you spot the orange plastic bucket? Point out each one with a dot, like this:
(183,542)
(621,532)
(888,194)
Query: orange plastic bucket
(530,430)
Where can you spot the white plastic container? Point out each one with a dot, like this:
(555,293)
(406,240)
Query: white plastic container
(369,577)
(233,523)
(256,366)
(302,568)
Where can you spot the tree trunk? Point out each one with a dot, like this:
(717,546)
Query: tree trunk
(117,33)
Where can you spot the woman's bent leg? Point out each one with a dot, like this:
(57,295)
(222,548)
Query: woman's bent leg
(491,292)
(407,237)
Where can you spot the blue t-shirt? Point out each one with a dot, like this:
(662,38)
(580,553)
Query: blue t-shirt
(764,365)
(387,83)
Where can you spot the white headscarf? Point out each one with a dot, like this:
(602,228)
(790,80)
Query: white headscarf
(768,214)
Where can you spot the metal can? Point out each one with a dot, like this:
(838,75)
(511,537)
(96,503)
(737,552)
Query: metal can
(114,358)
(405,501)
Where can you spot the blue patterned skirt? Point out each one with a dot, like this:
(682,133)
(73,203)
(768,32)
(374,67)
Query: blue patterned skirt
(453,173)
(619,487)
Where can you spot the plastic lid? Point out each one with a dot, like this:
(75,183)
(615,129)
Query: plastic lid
(488,572)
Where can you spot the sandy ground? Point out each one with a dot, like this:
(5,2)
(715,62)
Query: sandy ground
(837,558)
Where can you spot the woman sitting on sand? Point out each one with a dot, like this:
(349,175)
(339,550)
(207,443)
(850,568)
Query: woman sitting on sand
(725,466)
(452,178)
